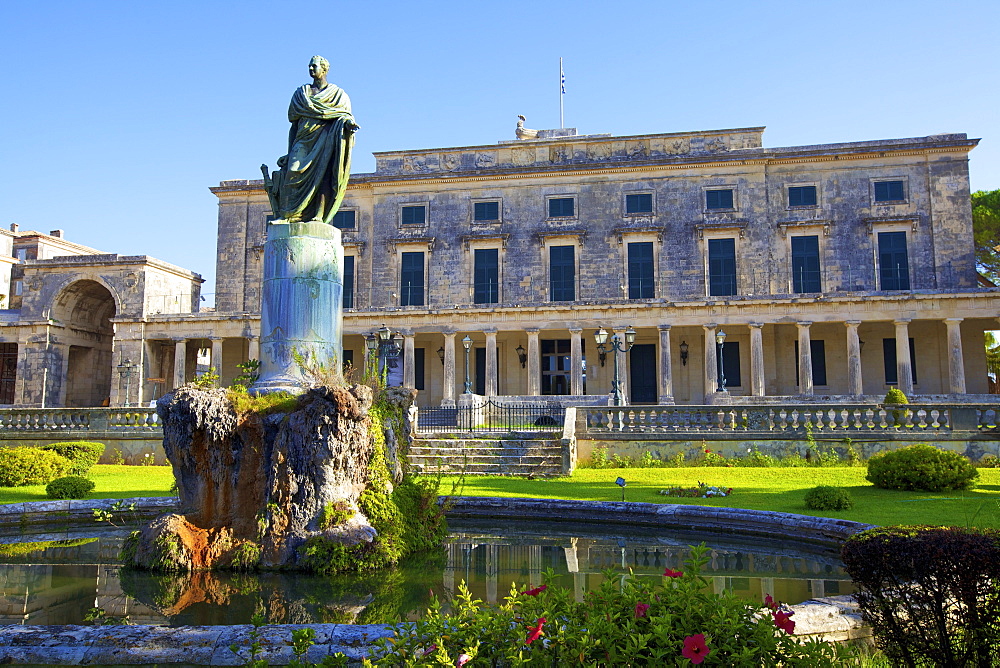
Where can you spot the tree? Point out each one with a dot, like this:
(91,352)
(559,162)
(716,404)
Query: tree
(986,232)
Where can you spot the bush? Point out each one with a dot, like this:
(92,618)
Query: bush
(30,466)
(931,594)
(70,487)
(828,498)
(895,396)
(81,454)
(921,467)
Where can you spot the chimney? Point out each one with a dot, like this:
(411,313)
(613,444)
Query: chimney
(56,233)
(13,227)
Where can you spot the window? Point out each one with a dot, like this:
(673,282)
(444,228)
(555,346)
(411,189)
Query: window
(345,220)
(731,363)
(486,276)
(348,281)
(721,267)
(347,359)
(418,368)
(889,191)
(805,264)
(894,266)
(639,203)
(22,254)
(640,270)
(411,279)
(817,353)
(562,274)
(802,196)
(561,207)
(486,211)
(414,215)
(18,288)
(889,359)
(556,367)
(719,199)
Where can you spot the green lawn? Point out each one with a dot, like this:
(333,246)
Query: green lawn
(781,489)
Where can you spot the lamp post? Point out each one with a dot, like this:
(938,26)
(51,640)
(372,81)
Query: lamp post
(618,344)
(386,346)
(467,342)
(720,341)
(125,370)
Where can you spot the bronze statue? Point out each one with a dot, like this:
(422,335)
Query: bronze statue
(313,175)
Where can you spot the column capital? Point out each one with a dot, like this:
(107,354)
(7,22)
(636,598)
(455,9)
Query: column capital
(408,335)
(490,331)
(711,325)
(663,328)
(902,321)
(449,335)
(852,323)
(532,330)
(179,339)
(804,323)
(957,320)
(756,325)
(575,330)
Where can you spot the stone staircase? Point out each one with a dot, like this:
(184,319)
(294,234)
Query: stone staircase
(487,456)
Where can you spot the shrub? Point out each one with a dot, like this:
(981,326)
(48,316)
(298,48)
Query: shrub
(895,396)
(70,487)
(335,513)
(829,498)
(81,454)
(30,466)
(931,594)
(921,467)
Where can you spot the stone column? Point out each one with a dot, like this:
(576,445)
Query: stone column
(576,361)
(253,348)
(855,381)
(217,356)
(757,388)
(448,395)
(805,359)
(409,367)
(666,393)
(491,362)
(180,361)
(623,372)
(711,363)
(534,363)
(956,361)
(904,367)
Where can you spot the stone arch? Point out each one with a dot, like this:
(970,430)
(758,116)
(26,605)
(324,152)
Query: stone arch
(83,310)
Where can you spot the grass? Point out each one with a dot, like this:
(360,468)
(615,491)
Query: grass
(776,488)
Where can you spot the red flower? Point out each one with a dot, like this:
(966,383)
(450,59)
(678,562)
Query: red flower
(462,660)
(708,452)
(695,648)
(783,620)
(534,592)
(667,573)
(641,609)
(769,602)
(533,633)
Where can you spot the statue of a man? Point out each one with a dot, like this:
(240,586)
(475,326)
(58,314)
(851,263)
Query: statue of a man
(313,176)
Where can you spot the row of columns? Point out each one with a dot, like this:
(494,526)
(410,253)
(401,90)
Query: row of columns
(180,356)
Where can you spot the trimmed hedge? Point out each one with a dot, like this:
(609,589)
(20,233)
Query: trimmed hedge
(82,454)
(825,497)
(69,487)
(921,467)
(30,466)
(931,594)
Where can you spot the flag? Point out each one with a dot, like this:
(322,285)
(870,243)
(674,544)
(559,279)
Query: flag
(562,79)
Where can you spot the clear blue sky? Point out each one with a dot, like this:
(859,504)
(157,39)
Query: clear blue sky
(118,115)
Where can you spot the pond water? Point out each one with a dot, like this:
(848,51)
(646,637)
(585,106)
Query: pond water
(61,583)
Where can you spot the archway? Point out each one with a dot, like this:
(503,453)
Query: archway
(84,310)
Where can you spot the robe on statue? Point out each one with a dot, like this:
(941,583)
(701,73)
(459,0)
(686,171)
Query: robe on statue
(318,164)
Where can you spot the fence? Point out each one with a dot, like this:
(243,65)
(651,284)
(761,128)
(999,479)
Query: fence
(143,420)
(491,417)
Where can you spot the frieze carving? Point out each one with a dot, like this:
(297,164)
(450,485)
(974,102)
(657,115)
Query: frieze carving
(485,160)
(637,149)
(715,145)
(523,156)
(559,154)
(679,146)
(451,161)
(415,163)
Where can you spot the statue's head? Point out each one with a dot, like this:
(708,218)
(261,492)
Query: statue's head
(318,65)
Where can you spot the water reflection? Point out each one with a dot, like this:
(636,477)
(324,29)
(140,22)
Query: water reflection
(60,584)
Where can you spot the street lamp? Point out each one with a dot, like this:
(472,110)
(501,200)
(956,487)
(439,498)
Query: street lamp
(126,369)
(684,353)
(387,346)
(618,344)
(720,341)
(467,342)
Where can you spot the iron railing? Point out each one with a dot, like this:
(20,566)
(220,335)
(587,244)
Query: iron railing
(491,417)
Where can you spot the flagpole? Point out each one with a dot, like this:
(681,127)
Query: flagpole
(562,91)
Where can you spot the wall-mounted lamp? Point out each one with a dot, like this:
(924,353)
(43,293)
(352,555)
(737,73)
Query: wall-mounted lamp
(684,353)
(602,355)
(441,354)
(522,356)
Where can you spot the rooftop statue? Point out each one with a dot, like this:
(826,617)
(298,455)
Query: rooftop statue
(313,175)
(522,132)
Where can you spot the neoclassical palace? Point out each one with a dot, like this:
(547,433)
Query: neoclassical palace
(834,271)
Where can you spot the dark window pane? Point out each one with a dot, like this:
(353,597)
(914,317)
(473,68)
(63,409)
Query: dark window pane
(556,367)
(411,279)
(802,196)
(414,215)
(639,203)
(486,276)
(889,359)
(805,264)
(640,270)
(345,220)
(721,267)
(562,274)
(894,267)
(418,368)
(348,359)
(719,199)
(349,281)
(731,363)
(817,352)
(561,207)
(889,191)
(486,210)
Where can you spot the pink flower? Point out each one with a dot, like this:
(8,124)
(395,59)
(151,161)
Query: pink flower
(430,650)
(667,573)
(533,633)
(783,620)
(695,648)
(462,660)
(641,609)
(534,592)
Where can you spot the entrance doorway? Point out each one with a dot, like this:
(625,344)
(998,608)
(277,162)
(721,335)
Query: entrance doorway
(85,309)
(642,373)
